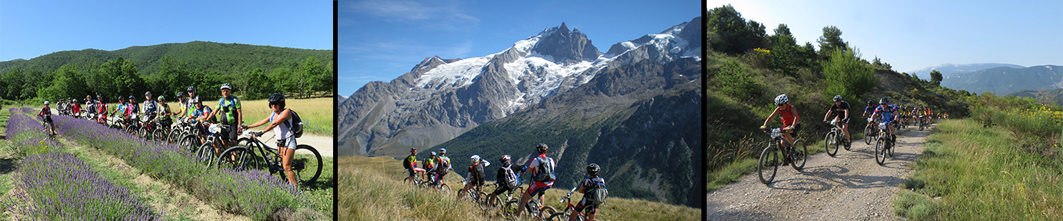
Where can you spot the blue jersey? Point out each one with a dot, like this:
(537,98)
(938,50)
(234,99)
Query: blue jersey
(886,112)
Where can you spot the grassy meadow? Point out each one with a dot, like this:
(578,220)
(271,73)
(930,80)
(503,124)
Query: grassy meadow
(374,191)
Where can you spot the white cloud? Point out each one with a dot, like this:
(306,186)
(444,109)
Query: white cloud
(438,15)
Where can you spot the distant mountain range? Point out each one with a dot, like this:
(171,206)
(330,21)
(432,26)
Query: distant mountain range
(949,69)
(634,109)
(1006,80)
(1043,96)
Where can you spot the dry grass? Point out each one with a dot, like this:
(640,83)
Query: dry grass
(372,189)
(317,113)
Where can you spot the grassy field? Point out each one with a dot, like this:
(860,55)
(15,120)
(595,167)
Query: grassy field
(317,113)
(971,172)
(379,194)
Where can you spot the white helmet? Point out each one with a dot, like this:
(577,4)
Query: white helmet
(474,159)
(781,99)
(45,102)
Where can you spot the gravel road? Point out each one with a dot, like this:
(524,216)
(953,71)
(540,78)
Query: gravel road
(849,186)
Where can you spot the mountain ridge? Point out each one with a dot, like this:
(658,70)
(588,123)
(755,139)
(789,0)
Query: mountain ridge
(949,68)
(1006,80)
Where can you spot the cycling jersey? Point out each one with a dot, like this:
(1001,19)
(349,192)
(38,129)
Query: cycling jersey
(787,115)
(887,112)
(839,110)
(228,107)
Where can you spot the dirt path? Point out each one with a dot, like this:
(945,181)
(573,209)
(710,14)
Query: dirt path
(849,186)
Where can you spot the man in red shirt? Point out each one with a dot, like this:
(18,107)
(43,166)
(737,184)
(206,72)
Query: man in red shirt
(790,119)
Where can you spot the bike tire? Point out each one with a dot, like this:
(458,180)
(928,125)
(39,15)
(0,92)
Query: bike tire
(159,136)
(893,146)
(509,211)
(830,143)
(879,151)
(189,143)
(800,156)
(546,211)
(242,158)
(769,160)
(311,163)
(205,153)
(868,135)
(174,137)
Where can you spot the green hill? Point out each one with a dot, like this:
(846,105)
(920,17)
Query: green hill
(1053,97)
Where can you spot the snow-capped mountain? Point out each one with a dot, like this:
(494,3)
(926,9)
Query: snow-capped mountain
(440,99)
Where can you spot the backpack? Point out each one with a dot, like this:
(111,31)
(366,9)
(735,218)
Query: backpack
(546,170)
(444,163)
(511,180)
(406,162)
(296,126)
(597,192)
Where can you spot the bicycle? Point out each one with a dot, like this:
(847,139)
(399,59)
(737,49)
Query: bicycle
(564,215)
(416,182)
(476,195)
(442,187)
(834,137)
(535,208)
(769,157)
(884,145)
(869,131)
(505,210)
(211,147)
(306,162)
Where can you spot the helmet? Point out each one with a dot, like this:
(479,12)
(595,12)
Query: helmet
(120,97)
(869,102)
(593,168)
(474,159)
(179,94)
(191,89)
(781,99)
(542,148)
(226,86)
(147,93)
(45,102)
(433,153)
(99,96)
(837,98)
(442,151)
(75,100)
(504,159)
(884,100)
(132,97)
(161,98)
(276,98)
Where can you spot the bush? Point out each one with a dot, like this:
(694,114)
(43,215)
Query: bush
(847,75)
(734,81)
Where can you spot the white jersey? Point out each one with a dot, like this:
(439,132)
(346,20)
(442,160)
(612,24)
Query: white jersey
(282,131)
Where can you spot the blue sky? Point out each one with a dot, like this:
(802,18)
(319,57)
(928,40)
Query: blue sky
(380,40)
(911,35)
(29,29)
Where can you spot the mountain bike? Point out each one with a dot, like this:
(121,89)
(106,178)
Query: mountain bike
(212,146)
(252,153)
(534,208)
(190,140)
(476,195)
(442,187)
(794,154)
(870,132)
(506,210)
(179,130)
(884,146)
(922,123)
(147,131)
(834,138)
(415,180)
(564,215)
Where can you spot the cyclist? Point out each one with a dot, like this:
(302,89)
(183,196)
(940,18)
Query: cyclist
(131,109)
(191,105)
(102,109)
(791,120)
(475,177)
(888,113)
(503,177)
(46,116)
(280,121)
(869,111)
(231,115)
(542,168)
(929,115)
(444,165)
(592,180)
(430,167)
(164,113)
(90,107)
(410,163)
(120,108)
(842,108)
(75,108)
(150,108)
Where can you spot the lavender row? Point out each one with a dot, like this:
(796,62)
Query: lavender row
(253,193)
(60,185)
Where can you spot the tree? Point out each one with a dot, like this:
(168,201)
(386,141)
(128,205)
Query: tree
(728,32)
(312,74)
(12,84)
(831,40)
(847,75)
(68,82)
(935,77)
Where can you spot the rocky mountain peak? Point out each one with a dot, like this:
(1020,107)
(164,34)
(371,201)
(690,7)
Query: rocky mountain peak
(566,47)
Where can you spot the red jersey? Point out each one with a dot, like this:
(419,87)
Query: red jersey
(787,115)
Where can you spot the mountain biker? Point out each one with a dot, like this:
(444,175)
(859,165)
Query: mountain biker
(444,165)
(164,113)
(280,121)
(430,167)
(888,113)
(475,176)
(231,116)
(75,108)
(150,108)
(791,120)
(541,183)
(869,111)
(410,163)
(46,116)
(191,105)
(120,108)
(90,107)
(929,115)
(131,109)
(842,107)
(101,108)
(181,112)
(585,185)
(501,177)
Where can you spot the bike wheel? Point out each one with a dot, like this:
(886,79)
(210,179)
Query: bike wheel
(205,153)
(768,164)
(443,187)
(867,134)
(237,158)
(174,137)
(799,157)
(509,211)
(557,217)
(306,164)
(189,143)
(546,211)
(893,146)
(880,151)
(159,136)
(830,143)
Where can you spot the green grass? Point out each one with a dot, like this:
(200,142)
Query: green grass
(316,113)
(970,172)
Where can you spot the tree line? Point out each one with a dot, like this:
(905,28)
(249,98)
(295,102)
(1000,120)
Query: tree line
(120,77)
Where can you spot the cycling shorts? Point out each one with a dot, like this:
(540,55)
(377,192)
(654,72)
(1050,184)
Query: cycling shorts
(584,203)
(501,189)
(535,188)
